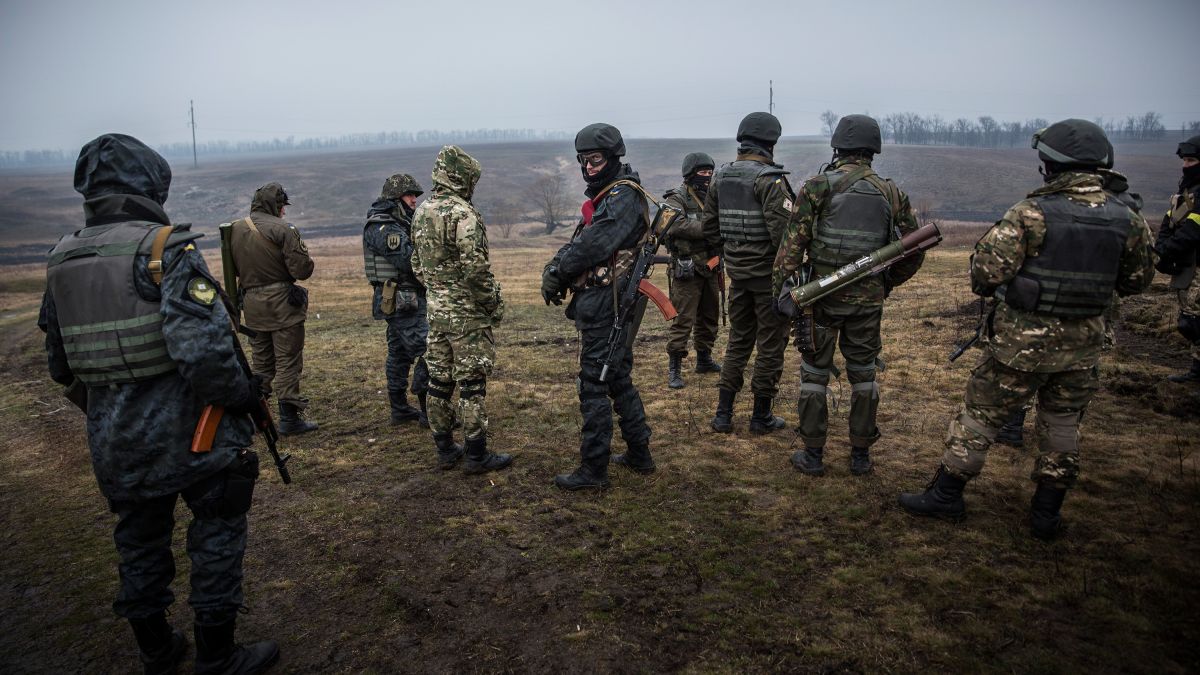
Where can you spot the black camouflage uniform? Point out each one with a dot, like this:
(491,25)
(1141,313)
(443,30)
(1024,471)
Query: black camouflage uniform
(387,257)
(588,266)
(151,354)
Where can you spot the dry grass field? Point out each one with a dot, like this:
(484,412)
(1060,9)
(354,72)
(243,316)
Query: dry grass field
(726,560)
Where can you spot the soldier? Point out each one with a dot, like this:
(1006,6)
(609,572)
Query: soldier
(1053,262)
(842,214)
(398,297)
(694,287)
(615,223)
(1178,242)
(451,258)
(134,328)
(270,257)
(746,213)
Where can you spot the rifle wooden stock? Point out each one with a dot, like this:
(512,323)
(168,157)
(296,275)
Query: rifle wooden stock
(206,428)
(713,262)
(660,299)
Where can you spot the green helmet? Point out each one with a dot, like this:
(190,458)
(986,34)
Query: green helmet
(602,137)
(760,126)
(1074,142)
(398,185)
(857,132)
(1189,148)
(696,161)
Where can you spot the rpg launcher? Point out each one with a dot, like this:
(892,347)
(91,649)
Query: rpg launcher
(227,267)
(911,244)
(621,335)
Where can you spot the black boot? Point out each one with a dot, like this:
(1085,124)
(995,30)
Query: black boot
(479,460)
(705,363)
(723,420)
(674,379)
(1013,431)
(1192,375)
(942,498)
(162,647)
(401,411)
(291,420)
(448,452)
(638,459)
(583,478)
(761,420)
(216,652)
(1045,523)
(423,413)
(809,461)
(860,461)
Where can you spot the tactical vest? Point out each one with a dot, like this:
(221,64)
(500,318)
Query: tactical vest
(110,334)
(1076,271)
(378,268)
(739,213)
(622,259)
(855,220)
(692,210)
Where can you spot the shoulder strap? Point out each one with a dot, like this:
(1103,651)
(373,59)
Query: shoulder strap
(696,199)
(156,253)
(888,188)
(252,226)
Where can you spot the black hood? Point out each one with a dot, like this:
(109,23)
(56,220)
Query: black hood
(116,164)
(396,210)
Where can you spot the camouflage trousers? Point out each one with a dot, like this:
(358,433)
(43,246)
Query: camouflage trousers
(597,400)
(214,544)
(278,356)
(406,337)
(995,392)
(464,360)
(855,330)
(698,302)
(754,323)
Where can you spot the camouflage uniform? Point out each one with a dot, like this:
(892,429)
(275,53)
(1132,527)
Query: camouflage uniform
(387,252)
(697,297)
(849,318)
(451,259)
(152,355)
(1030,352)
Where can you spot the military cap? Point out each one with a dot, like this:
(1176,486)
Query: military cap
(119,164)
(857,132)
(694,161)
(600,136)
(400,184)
(760,126)
(1073,142)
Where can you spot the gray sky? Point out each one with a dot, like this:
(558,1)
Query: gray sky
(71,70)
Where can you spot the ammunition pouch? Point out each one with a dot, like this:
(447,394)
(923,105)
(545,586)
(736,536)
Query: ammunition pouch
(406,300)
(802,333)
(1021,293)
(684,268)
(297,296)
(1189,327)
(387,297)
(77,393)
(240,477)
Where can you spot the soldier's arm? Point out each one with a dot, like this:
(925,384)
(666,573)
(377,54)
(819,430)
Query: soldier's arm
(798,231)
(775,195)
(56,354)
(616,222)
(1000,252)
(1179,243)
(196,327)
(684,227)
(905,221)
(295,254)
(473,258)
(711,225)
(1137,262)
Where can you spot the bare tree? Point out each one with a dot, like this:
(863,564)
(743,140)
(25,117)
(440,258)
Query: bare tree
(505,214)
(830,120)
(548,195)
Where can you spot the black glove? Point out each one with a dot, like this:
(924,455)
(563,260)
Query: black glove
(554,289)
(252,404)
(784,305)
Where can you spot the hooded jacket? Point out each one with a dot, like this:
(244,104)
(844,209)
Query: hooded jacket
(268,262)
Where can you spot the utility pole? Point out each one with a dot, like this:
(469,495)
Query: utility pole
(771,101)
(192,114)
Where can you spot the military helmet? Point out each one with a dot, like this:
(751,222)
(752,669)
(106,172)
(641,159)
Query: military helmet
(760,126)
(1074,142)
(600,136)
(119,164)
(1189,148)
(857,132)
(400,184)
(696,161)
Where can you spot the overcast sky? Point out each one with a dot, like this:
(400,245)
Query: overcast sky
(71,70)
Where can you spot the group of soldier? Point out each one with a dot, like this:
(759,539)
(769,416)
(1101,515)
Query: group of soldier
(139,330)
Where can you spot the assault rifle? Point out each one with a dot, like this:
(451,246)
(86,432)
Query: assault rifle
(637,285)
(714,263)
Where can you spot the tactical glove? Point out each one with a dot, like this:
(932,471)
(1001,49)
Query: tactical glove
(554,289)
(784,305)
(252,403)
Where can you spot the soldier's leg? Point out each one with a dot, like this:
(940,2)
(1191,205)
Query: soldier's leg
(812,408)
(262,358)
(631,414)
(685,296)
(398,362)
(289,364)
(439,358)
(216,540)
(772,341)
(1061,402)
(596,410)
(860,344)
(743,329)
(143,539)
(474,357)
(708,314)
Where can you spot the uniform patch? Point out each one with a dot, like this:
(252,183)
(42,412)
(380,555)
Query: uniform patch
(787,204)
(202,291)
(393,241)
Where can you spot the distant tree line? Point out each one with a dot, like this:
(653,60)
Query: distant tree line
(10,159)
(910,128)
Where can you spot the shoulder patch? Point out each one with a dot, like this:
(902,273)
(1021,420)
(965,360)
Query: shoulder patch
(202,291)
(393,241)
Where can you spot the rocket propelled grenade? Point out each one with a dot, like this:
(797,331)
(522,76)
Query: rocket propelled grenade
(922,239)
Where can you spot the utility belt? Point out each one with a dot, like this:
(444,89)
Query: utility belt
(267,287)
(394,298)
(602,276)
(297,295)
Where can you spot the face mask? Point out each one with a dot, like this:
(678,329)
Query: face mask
(699,182)
(1191,175)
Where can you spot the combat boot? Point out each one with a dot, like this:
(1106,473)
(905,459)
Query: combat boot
(638,459)
(809,461)
(216,652)
(1192,375)
(705,363)
(1013,431)
(162,647)
(291,420)
(1045,523)
(674,378)
(585,477)
(423,414)
(401,411)
(761,420)
(942,498)
(479,460)
(860,461)
(448,452)
(723,420)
